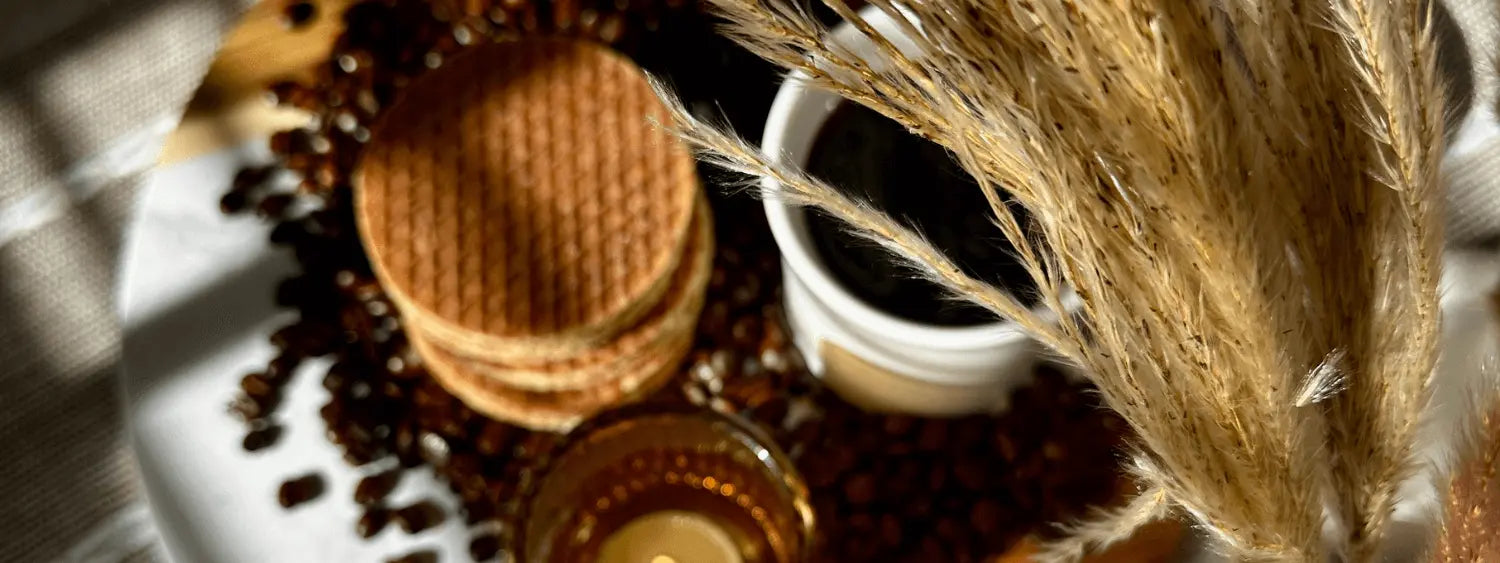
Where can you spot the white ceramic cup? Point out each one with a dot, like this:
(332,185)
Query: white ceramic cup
(871,357)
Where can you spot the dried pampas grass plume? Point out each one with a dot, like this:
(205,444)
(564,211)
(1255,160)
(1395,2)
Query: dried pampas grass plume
(1471,511)
(1242,193)
(1106,527)
(1471,499)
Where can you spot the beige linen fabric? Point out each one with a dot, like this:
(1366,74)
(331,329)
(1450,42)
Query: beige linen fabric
(88,88)
(1473,166)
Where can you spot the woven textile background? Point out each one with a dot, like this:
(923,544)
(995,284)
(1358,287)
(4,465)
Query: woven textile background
(88,91)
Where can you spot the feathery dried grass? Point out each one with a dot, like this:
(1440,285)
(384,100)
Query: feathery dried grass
(1471,499)
(1193,173)
(1472,506)
(1105,527)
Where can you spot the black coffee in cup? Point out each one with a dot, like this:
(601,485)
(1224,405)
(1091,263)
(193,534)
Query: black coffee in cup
(917,182)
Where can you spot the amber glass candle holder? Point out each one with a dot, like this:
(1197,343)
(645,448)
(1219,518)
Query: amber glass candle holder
(670,487)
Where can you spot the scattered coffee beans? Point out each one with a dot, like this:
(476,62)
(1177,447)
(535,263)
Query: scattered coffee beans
(423,556)
(374,488)
(484,547)
(262,438)
(298,13)
(372,522)
(418,517)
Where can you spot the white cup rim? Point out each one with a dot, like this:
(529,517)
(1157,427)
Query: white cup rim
(795,93)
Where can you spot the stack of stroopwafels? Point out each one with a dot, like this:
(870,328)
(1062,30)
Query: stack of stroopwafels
(547,244)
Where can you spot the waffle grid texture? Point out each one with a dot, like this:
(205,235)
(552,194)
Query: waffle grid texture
(673,316)
(522,205)
(618,379)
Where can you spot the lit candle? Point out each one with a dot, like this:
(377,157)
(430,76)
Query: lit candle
(670,536)
(670,487)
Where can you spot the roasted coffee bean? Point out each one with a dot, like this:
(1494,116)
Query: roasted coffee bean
(842,458)
(890,530)
(267,403)
(774,360)
(932,550)
(374,488)
(403,366)
(287,233)
(535,446)
(861,523)
(358,454)
(525,478)
(298,13)
(971,475)
(495,438)
(985,517)
(715,319)
(484,547)
(434,448)
(332,412)
(746,331)
(937,477)
(256,385)
(405,446)
(423,556)
(1053,451)
(861,489)
(345,279)
(249,180)
(280,368)
(261,438)
(968,434)
(324,174)
(292,143)
(819,475)
(246,409)
(897,425)
(611,28)
(1006,447)
(354,61)
(418,517)
(461,465)
(292,292)
(339,376)
(274,205)
(857,547)
(485,509)
(934,435)
(919,508)
(747,292)
(289,337)
(902,478)
(949,529)
(750,367)
(293,94)
(719,404)
(233,202)
(392,390)
(372,522)
(772,413)
(299,490)
(829,506)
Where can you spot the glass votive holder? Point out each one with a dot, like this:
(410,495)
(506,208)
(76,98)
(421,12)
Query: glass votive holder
(669,487)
